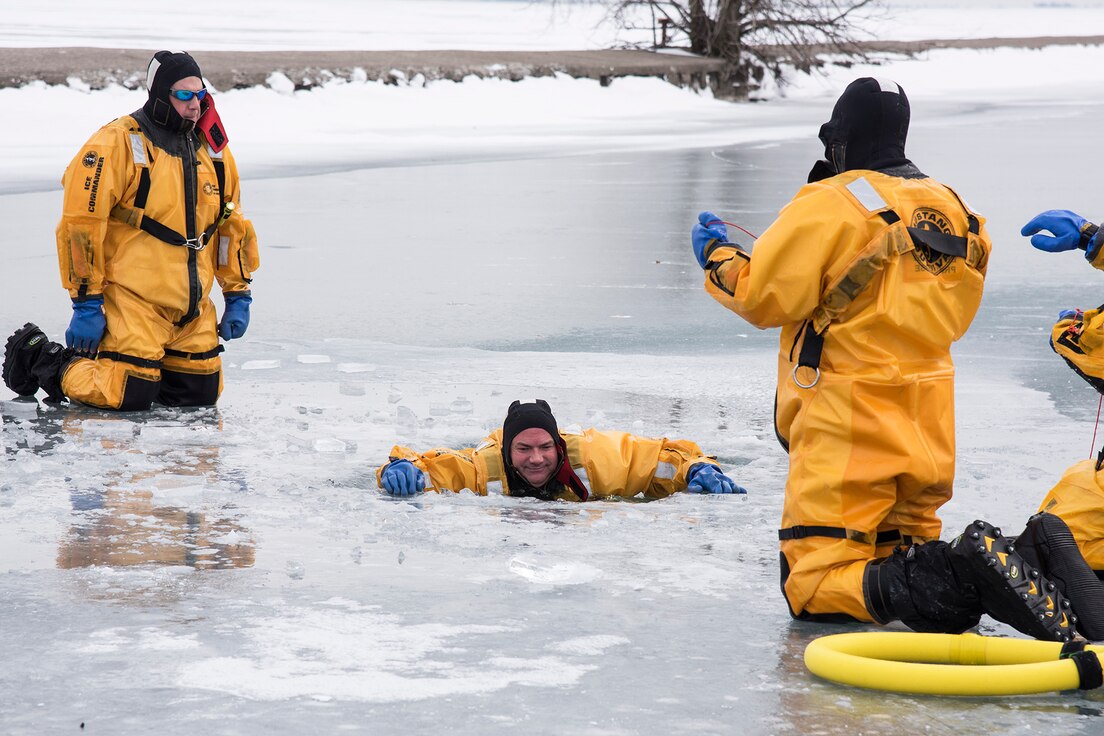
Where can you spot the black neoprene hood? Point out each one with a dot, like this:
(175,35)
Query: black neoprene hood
(166,68)
(868,127)
(520,417)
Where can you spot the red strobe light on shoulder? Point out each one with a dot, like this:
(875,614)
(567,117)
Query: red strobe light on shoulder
(210,125)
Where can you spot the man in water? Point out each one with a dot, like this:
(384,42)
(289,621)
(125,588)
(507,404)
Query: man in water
(532,456)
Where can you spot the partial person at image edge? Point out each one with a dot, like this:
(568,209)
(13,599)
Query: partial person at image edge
(1078,338)
(872,271)
(151,218)
(532,456)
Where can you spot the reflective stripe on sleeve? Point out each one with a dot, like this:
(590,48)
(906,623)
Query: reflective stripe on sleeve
(223,250)
(665,471)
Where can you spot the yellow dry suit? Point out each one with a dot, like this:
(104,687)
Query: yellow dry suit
(871,278)
(150,219)
(1078,337)
(608,463)
(1078,499)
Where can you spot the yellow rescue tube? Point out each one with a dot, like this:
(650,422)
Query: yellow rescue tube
(944,664)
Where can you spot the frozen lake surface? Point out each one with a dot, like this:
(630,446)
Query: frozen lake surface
(236,571)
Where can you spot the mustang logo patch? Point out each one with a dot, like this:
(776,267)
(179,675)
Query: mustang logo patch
(932,261)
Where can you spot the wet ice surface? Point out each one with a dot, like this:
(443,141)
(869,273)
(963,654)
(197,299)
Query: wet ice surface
(237,571)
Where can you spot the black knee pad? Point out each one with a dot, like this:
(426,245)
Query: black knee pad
(138,393)
(918,586)
(188,389)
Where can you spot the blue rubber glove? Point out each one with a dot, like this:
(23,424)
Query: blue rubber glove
(1064,225)
(706,478)
(235,318)
(709,228)
(1069,314)
(87,326)
(401,478)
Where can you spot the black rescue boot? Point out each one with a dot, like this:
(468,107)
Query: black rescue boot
(1011,589)
(918,585)
(941,587)
(1047,545)
(32,362)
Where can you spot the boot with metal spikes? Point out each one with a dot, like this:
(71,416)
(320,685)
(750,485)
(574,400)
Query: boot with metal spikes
(1011,589)
(1047,544)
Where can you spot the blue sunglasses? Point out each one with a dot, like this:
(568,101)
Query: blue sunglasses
(184,95)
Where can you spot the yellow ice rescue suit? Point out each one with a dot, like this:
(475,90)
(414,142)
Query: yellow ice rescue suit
(151,217)
(608,463)
(1078,499)
(871,278)
(1078,337)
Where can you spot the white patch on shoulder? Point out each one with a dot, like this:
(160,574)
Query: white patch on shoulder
(138,150)
(485,444)
(867,195)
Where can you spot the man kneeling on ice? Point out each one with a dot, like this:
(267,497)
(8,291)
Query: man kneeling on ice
(531,456)
(151,220)
(873,271)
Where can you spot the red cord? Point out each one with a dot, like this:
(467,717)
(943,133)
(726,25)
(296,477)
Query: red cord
(753,235)
(1092,449)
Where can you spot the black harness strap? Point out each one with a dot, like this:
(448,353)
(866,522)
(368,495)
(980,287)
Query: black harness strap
(951,245)
(164,233)
(131,359)
(159,231)
(223,213)
(142,194)
(195,356)
(813,344)
(811,347)
(955,246)
(836,532)
(940,242)
(172,237)
(220,176)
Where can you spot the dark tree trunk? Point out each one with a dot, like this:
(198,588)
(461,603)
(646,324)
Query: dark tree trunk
(755,38)
(701,28)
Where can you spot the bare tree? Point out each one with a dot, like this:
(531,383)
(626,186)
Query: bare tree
(753,37)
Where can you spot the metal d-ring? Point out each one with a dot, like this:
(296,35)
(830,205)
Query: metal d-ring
(816,380)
